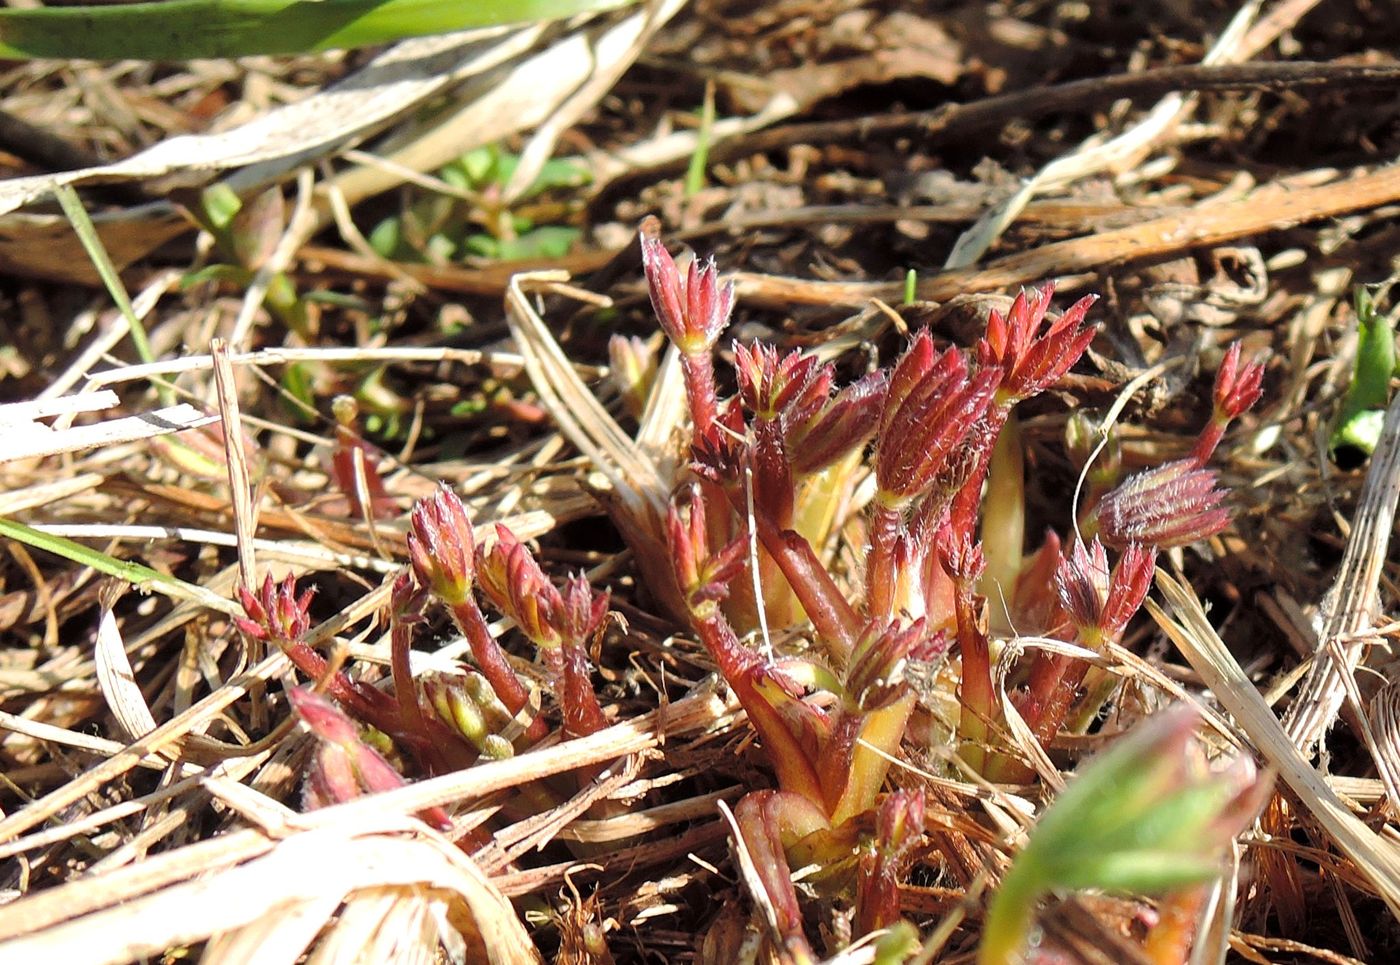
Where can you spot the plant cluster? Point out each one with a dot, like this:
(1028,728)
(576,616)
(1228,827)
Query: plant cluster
(884,518)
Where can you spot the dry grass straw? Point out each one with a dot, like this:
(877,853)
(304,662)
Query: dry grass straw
(1375,855)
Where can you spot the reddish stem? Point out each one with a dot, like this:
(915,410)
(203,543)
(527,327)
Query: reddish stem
(1051,689)
(886,524)
(978,698)
(968,498)
(1045,704)
(770,822)
(491,659)
(410,711)
(834,765)
(737,665)
(582,713)
(699,372)
(834,618)
(1208,440)
(432,744)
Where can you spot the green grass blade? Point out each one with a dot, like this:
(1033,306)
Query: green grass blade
(134,573)
(189,29)
(97,253)
(695,173)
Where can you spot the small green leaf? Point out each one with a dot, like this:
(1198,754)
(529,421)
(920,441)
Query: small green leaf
(227,273)
(1359,423)
(559,173)
(474,169)
(482,245)
(339,300)
(547,241)
(220,204)
(296,380)
(384,238)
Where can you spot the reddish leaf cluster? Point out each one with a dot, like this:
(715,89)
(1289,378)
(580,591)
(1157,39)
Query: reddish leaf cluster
(935,417)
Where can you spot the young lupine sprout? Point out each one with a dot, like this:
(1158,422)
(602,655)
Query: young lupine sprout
(277,614)
(1148,815)
(692,312)
(899,825)
(1030,361)
(467,703)
(1237,388)
(344,766)
(924,436)
(441,545)
(776,459)
(632,368)
(1098,604)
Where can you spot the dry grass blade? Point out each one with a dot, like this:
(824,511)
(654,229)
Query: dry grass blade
(114,674)
(240,496)
(281,140)
(35,440)
(1375,856)
(308,867)
(1271,208)
(529,88)
(1351,606)
(179,727)
(579,415)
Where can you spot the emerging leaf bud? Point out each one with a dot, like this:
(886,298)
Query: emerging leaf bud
(795,385)
(931,407)
(1237,388)
(632,367)
(440,544)
(1031,364)
(511,577)
(1082,437)
(899,826)
(1171,505)
(276,613)
(467,704)
(692,312)
(875,677)
(344,767)
(846,422)
(1098,602)
(703,579)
